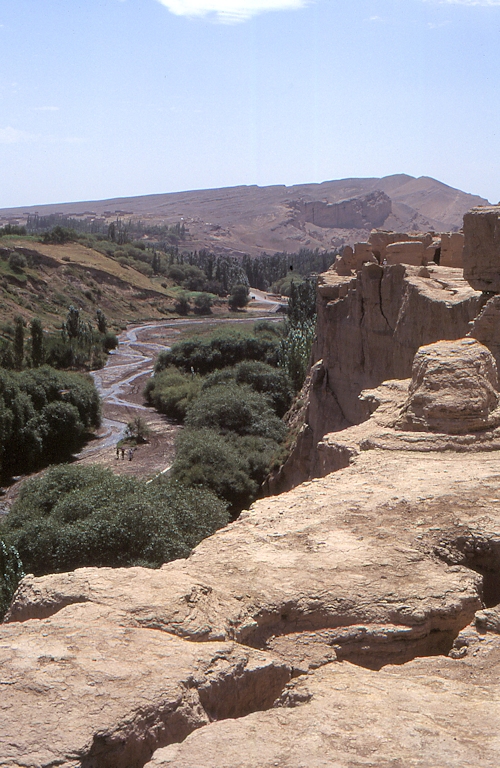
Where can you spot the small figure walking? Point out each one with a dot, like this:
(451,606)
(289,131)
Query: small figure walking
(130,454)
(123,453)
(117,451)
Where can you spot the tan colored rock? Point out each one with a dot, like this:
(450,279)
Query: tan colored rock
(368,330)
(312,560)
(430,712)
(454,389)
(405,253)
(452,246)
(481,254)
(86,688)
(486,327)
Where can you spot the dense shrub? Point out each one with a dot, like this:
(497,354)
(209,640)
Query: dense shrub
(263,378)
(221,350)
(59,235)
(87,516)
(17,261)
(234,408)
(171,391)
(203,304)
(11,572)
(232,467)
(44,415)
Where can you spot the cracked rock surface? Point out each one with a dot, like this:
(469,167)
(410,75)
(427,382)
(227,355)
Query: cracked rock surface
(430,712)
(368,565)
(376,588)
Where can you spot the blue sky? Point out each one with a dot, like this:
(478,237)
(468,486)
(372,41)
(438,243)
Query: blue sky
(108,98)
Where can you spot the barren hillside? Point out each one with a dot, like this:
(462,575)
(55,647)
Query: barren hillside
(252,219)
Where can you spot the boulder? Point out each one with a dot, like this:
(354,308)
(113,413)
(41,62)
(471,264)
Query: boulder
(481,253)
(409,252)
(454,389)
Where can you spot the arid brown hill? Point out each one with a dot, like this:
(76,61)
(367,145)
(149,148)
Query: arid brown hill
(268,219)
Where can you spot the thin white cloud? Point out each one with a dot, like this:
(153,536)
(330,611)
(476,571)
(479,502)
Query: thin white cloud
(11,135)
(230,11)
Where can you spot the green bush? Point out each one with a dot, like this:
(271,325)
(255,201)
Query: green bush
(11,573)
(239,298)
(203,304)
(234,408)
(232,467)
(171,391)
(263,378)
(17,261)
(223,349)
(44,415)
(75,516)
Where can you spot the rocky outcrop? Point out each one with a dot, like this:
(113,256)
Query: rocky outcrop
(369,329)
(454,389)
(392,559)
(85,688)
(428,713)
(481,256)
(362,212)
(387,560)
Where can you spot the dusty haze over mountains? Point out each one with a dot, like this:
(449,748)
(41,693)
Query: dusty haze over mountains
(252,219)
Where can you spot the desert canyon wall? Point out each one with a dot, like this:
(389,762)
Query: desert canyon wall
(353,621)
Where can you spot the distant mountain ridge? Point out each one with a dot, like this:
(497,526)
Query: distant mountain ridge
(252,219)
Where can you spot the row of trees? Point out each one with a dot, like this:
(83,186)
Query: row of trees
(230,395)
(79,345)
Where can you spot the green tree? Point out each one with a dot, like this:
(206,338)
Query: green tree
(203,304)
(76,516)
(102,323)
(37,352)
(72,324)
(239,297)
(18,342)
(182,304)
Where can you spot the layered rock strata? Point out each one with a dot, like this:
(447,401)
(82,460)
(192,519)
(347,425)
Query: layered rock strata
(369,329)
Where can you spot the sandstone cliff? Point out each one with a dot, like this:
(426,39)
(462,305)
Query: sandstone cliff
(369,329)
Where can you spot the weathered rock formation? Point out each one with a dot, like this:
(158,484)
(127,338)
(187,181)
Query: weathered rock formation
(395,557)
(363,212)
(454,389)
(481,255)
(369,329)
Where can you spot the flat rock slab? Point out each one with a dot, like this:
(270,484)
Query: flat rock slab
(362,549)
(430,712)
(83,689)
